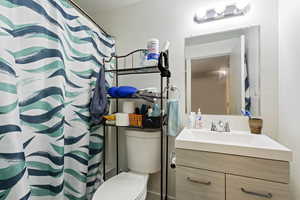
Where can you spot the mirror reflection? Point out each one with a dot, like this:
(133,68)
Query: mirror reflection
(223,72)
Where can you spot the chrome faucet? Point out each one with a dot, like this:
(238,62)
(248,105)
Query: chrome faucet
(213,126)
(227,127)
(220,127)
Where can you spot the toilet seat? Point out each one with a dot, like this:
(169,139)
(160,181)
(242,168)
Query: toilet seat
(125,186)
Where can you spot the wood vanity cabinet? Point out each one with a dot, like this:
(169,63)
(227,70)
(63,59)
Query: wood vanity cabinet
(196,184)
(214,176)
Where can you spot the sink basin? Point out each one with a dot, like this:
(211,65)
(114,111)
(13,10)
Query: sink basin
(235,143)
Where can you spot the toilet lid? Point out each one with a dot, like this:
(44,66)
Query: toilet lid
(125,186)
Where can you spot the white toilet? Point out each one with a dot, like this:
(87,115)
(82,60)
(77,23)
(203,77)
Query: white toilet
(143,155)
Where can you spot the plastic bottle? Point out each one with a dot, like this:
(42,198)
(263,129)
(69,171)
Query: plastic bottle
(153,52)
(198,120)
(156,110)
(192,119)
(150,112)
(166,46)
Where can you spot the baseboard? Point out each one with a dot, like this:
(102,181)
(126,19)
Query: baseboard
(156,196)
(110,172)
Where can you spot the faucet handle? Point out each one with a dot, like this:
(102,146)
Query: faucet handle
(213,126)
(227,127)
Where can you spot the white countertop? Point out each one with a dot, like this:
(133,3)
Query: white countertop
(235,143)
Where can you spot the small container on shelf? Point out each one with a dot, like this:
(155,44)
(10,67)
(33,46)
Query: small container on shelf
(122,119)
(136,120)
(152,122)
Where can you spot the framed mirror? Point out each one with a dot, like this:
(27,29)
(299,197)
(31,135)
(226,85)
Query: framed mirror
(223,72)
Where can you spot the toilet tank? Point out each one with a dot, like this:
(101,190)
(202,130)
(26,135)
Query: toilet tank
(143,151)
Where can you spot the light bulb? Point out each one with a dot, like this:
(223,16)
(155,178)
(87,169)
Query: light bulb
(201,14)
(203,11)
(220,8)
(222,72)
(242,4)
(230,10)
(211,13)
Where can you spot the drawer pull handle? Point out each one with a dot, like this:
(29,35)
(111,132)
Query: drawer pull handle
(199,182)
(269,195)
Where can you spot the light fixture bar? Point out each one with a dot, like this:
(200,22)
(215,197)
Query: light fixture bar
(229,11)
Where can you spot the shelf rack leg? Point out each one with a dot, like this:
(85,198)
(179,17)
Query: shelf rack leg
(117,110)
(104,152)
(117,149)
(167,145)
(167,165)
(104,140)
(162,141)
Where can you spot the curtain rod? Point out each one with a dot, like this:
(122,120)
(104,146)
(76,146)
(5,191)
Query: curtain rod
(88,16)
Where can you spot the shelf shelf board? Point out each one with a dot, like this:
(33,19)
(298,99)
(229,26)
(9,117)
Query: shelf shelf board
(134,98)
(133,127)
(136,70)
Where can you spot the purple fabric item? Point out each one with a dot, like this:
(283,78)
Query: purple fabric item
(99,103)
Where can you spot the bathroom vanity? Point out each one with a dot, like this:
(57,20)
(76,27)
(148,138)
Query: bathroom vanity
(231,166)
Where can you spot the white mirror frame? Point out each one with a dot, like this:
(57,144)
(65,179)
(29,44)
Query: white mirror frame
(222,52)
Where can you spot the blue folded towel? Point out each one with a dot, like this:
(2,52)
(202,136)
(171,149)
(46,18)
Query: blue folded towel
(122,91)
(113,91)
(174,121)
(126,91)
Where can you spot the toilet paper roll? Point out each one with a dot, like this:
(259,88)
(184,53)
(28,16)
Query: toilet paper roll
(122,119)
(128,107)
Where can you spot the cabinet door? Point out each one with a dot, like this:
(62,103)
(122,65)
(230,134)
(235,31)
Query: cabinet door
(241,188)
(196,184)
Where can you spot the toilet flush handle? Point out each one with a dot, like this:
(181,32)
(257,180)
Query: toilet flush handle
(173,160)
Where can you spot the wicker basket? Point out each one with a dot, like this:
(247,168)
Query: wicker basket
(136,120)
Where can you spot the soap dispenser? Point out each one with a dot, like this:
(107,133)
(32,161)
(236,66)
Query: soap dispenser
(199,120)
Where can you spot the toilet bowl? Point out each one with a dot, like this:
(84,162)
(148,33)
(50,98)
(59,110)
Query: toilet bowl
(143,156)
(125,186)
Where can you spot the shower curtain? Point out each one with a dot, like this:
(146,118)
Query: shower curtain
(50,56)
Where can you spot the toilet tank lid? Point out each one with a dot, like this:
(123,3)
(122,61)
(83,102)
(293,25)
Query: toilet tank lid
(143,134)
(125,186)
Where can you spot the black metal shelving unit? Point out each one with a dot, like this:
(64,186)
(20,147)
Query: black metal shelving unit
(163,127)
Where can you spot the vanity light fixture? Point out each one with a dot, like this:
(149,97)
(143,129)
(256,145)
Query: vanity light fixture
(230,10)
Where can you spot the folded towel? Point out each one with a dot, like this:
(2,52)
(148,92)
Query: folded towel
(173,118)
(122,91)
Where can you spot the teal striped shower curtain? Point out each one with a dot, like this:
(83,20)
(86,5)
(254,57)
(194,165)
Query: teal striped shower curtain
(50,56)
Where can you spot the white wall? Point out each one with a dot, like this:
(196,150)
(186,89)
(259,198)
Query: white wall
(289,93)
(173,20)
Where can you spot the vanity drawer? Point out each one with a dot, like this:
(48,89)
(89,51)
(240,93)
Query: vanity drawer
(241,188)
(196,184)
(271,170)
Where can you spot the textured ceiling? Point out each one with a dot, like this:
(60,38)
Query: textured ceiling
(94,6)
